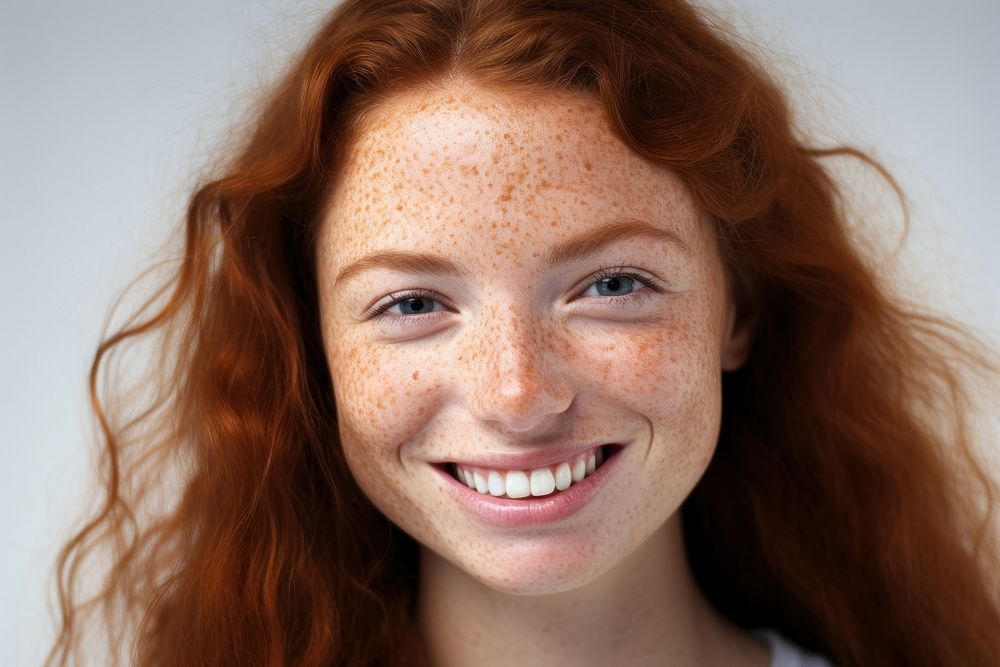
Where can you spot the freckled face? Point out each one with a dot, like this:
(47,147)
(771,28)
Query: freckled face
(517,355)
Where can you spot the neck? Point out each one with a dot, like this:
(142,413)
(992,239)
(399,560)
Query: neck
(646,610)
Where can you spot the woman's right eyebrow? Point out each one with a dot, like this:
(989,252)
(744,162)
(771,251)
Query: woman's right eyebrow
(575,248)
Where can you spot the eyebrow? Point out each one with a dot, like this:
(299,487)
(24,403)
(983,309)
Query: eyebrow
(575,248)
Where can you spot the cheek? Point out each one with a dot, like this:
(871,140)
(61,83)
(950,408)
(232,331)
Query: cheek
(378,391)
(657,367)
(666,373)
(380,395)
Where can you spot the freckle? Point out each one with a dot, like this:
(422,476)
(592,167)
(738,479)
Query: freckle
(587,165)
(416,375)
(399,207)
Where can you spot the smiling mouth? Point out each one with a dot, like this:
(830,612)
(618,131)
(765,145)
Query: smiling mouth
(535,482)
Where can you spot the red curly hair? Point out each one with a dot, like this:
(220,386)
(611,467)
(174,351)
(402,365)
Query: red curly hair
(846,477)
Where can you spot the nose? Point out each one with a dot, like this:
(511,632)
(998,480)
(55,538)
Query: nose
(518,379)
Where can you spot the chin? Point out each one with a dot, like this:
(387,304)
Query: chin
(530,569)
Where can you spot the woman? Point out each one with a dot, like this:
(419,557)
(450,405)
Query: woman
(523,332)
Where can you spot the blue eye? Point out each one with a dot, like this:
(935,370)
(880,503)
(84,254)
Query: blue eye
(416,305)
(615,284)
(610,284)
(411,304)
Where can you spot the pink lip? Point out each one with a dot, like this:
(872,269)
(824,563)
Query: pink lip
(532,511)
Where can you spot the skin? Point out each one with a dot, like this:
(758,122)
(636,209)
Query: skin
(491,180)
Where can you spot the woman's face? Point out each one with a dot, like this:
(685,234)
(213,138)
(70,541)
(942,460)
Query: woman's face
(498,215)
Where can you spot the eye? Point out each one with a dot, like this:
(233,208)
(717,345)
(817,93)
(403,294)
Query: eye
(613,283)
(411,303)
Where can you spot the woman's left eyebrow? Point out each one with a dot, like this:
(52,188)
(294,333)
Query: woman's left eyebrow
(575,248)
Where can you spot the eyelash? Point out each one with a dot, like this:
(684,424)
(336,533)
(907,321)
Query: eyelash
(605,273)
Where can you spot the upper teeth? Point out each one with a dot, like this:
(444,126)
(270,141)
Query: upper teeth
(535,482)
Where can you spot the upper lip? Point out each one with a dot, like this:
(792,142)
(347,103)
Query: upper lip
(523,460)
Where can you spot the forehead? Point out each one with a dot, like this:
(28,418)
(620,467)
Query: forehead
(465,169)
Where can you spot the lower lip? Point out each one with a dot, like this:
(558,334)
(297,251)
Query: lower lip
(532,511)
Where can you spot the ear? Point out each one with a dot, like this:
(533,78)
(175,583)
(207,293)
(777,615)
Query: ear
(741,325)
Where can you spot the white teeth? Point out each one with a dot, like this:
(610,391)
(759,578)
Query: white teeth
(497,485)
(542,482)
(517,484)
(563,476)
(537,482)
(482,486)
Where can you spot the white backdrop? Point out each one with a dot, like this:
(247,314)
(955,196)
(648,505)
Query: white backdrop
(107,108)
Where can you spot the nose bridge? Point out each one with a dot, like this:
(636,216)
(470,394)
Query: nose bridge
(517,378)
